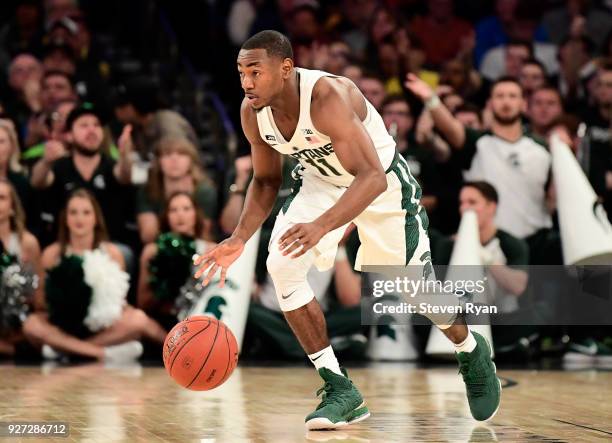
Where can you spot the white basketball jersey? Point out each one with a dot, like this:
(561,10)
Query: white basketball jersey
(313,149)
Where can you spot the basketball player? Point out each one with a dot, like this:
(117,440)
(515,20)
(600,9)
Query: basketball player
(350,172)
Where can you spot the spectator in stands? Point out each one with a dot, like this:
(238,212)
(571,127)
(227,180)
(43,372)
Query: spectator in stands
(506,60)
(400,124)
(356,17)
(22,33)
(23,98)
(574,61)
(353,72)
(597,142)
(87,313)
(56,142)
(532,76)
(166,264)
(175,168)
(505,259)
(17,245)
(545,107)
(440,32)
(304,31)
(578,17)
(461,78)
(496,30)
(373,89)
(10,168)
(338,57)
(469,116)
(56,87)
(513,162)
(139,105)
(87,167)
(501,252)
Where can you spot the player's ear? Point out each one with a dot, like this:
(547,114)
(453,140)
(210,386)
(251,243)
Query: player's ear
(286,67)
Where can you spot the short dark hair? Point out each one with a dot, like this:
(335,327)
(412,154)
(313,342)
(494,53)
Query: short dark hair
(469,107)
(524,43)
(394,98)
(506,79)
(549,89)
(275,44)
(58,73)
(538,63)
(485,188)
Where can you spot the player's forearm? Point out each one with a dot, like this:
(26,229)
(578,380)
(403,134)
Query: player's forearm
(363,191)
(258,204)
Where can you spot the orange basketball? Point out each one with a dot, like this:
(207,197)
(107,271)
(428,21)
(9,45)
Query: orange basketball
(200,353)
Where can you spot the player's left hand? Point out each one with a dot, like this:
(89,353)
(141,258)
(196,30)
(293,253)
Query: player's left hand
(302,235)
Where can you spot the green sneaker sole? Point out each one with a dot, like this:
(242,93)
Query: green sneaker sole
(358,414)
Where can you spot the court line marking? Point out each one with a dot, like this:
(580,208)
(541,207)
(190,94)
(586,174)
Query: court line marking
(582,426)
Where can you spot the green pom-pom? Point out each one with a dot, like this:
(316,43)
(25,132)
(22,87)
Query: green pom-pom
(68,296)
(6,260)
(171,267)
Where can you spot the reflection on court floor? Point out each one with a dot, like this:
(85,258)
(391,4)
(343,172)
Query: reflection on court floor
(134,404)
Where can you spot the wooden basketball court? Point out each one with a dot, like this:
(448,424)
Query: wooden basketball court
(135,404)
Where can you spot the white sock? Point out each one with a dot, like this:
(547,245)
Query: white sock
(467,345)
(127,351)
(326,358)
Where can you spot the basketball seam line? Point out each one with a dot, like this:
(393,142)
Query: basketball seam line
(190,338)
(207,357)
(229,360)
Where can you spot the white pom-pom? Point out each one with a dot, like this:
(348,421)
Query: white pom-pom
(109,286)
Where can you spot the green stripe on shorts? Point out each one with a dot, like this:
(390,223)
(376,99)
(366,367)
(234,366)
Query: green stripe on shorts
(297,184)
(411,190)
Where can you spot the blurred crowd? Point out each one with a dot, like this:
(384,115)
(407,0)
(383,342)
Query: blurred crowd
(121,155)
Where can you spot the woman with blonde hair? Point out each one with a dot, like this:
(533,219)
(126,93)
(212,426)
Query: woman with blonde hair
(10,168)
(19,269)
(176,167)
(85,291)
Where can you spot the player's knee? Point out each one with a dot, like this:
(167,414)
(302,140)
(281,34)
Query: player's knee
(289,278)
(275,263)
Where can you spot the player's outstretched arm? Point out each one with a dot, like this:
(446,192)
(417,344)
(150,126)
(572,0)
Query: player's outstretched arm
(451,128)
(333,115)
(260,197)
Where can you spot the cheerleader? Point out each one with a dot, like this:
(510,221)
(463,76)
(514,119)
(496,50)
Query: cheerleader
(166,264)
(85,292)
(19,269)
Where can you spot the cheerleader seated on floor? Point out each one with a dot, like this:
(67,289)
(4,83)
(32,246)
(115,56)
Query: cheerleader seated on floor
(19,269)
(85,290)
(166,266)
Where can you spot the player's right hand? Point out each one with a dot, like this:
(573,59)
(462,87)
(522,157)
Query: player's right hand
(418,87)
(221,256)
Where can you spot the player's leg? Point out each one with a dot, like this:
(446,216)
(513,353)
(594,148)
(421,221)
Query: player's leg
(341,403)
(398,211)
